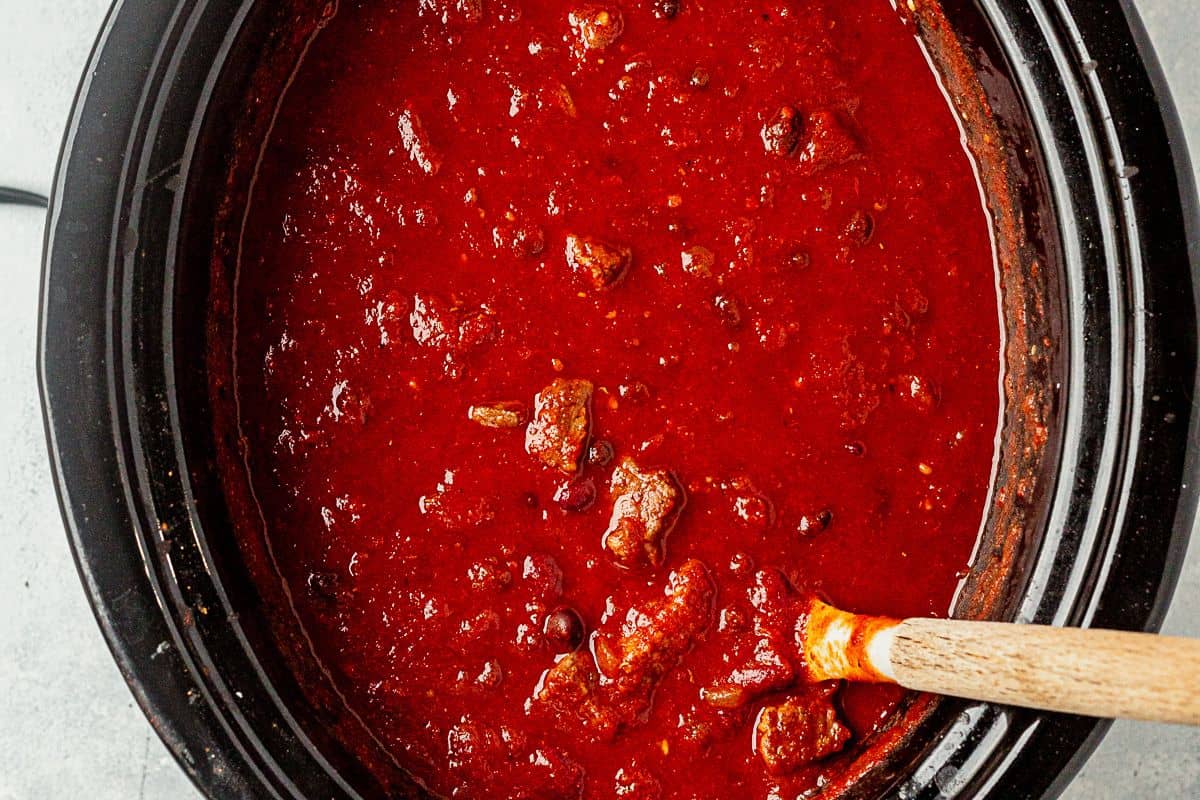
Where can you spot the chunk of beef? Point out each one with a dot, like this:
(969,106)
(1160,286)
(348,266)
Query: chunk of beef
(650,643)
(475,327)
(802,729)
(508,414)
(598,263)
(561,421)
(646,504)
(654,638)
(781,132)
(764,658)
(572,688)
(595,27)
(451,329)
(829,143)
(433,321)
(765,670)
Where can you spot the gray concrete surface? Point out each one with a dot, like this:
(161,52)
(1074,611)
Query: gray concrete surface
(68,728)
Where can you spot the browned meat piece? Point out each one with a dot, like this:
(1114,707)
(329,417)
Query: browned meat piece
(801,730)
(441,326)
(763,660)
(508,414)
(653,639)
(599,263)
(595,27)
(645,506)
(781,132)
(475,328)
(651,642)
(416,142)
(561,421)
(767,669)
(829,143)
(572,687)
(433,321)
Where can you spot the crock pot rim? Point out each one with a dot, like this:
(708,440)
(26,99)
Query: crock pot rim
(138,54)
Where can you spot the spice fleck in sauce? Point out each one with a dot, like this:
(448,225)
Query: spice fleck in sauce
(576,342)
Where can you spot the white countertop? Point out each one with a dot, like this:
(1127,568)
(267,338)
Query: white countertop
(68,726)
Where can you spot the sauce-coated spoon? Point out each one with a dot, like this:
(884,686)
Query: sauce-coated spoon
(1097,673)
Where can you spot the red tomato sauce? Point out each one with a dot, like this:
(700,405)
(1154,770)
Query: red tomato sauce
(573,340)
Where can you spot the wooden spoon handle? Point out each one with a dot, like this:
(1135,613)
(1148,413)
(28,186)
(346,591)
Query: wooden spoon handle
(1097,673)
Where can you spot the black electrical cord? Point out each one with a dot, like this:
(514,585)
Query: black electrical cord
(20,197)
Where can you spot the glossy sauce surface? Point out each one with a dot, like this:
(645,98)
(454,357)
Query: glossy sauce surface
(753,229)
